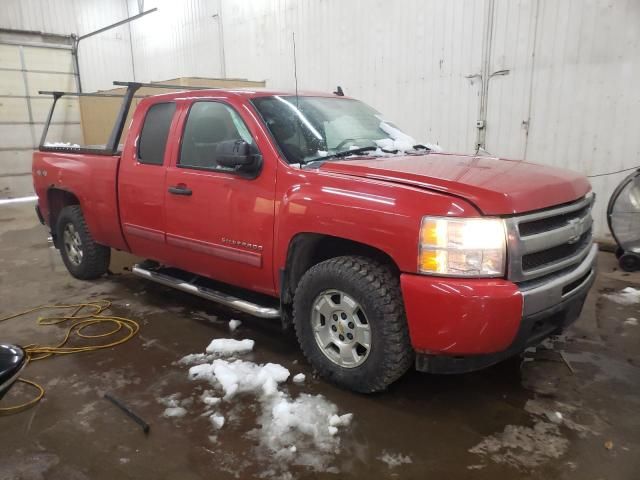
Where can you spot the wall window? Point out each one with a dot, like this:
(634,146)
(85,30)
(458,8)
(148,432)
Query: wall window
(208,124)
(153,138)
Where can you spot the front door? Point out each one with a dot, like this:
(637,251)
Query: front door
(218,223)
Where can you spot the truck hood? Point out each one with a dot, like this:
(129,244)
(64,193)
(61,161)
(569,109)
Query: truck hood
(495,186)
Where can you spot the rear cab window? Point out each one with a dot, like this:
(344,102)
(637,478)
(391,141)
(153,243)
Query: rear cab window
(154,134)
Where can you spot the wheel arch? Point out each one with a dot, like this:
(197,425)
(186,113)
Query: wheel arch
(307,249)
(57,199)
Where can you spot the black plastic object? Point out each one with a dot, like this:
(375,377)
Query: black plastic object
(237,154)
(623,216)
(12,360)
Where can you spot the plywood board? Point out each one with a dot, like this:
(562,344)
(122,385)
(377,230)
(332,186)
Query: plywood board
(98,114)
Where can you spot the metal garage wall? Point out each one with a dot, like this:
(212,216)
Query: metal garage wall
(568,98)
(571,98)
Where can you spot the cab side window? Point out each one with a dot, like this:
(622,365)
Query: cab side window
(208,124)
(154,134)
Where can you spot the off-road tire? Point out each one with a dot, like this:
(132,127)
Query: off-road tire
(377,289)
(95,257)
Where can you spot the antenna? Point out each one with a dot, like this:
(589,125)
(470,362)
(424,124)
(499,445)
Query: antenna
(295,66)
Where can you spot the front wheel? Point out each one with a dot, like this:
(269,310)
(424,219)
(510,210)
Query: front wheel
(84,258)
(350,322)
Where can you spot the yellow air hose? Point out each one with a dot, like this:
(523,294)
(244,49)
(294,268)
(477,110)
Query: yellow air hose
(84,315)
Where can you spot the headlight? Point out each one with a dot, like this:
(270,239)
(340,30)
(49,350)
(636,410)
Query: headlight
(472,247)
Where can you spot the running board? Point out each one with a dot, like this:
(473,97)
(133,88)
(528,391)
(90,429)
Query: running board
(210,294)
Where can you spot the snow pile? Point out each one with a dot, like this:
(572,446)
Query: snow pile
(629,321)
(399,141)
(234,324)
(301,431)
(239,376)
(394,460)
(229,346)
(626,296)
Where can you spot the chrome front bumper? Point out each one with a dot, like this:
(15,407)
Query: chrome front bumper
(547,293)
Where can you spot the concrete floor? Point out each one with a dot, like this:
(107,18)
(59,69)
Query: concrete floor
(498,423)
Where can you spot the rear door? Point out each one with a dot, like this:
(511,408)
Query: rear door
(141,181)
(218,223)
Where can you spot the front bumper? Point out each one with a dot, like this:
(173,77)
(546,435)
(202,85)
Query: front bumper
(461,325)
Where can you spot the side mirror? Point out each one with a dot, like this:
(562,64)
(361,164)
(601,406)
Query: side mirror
(237,154)
(12,360)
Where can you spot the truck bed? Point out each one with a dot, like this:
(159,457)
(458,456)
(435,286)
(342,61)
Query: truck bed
(93,180)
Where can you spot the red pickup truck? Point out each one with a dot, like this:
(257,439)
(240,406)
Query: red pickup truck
(313,208)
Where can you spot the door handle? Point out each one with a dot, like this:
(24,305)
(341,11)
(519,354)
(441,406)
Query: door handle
(180,190)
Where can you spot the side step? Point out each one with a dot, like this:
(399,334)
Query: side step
(208,293)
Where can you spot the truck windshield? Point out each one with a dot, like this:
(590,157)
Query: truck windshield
(309,129)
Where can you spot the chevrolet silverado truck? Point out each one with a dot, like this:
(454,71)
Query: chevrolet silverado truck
(381,253)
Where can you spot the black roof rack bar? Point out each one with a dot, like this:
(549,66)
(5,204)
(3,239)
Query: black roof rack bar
(116,133)
(56,96)
(96,94)
(162,85)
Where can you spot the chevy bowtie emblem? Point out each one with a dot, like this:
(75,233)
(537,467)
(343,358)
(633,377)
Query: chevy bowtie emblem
(575,224)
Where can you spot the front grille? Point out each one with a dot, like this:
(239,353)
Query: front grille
(551,223)
(551,255)
(543,243)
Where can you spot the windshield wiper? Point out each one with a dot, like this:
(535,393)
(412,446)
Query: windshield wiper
(342,154)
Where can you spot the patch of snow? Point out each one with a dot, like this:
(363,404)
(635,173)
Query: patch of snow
(234,324)
(211,400)
(394,460)
(229,346)
(631,321)
(304,422)
(299,378)
(217,420)
(61,144)
(171,412)
(626,296)
(397,140)
(302,431)
(341,420)
(240,376)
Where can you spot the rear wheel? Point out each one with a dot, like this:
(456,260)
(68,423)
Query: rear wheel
(350,322)
(84,258)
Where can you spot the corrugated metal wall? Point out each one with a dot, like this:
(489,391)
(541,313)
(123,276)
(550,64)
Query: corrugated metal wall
(566,94)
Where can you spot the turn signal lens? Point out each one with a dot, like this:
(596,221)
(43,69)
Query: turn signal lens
(474,247)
